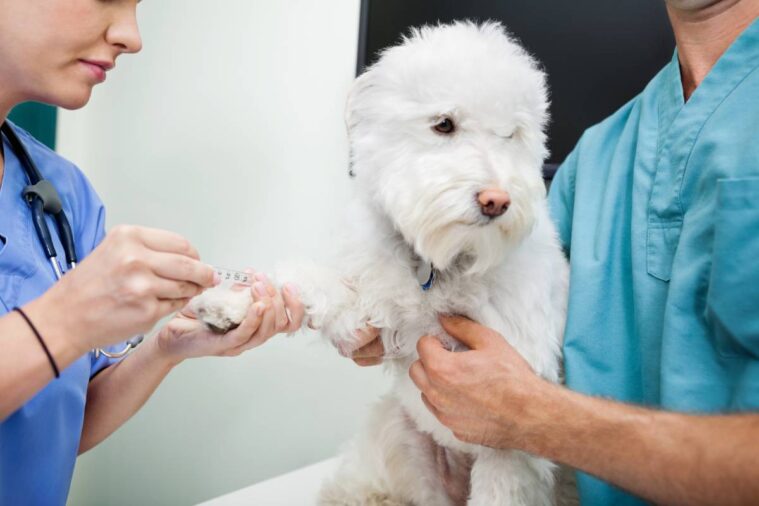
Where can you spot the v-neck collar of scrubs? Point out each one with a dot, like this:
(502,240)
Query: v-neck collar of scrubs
(680,123)
(738,60)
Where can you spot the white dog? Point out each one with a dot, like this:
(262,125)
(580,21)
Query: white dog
(447,145)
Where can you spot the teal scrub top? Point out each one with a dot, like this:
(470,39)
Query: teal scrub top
(658,210)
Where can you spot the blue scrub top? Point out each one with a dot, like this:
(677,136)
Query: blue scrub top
(39,442)
(658,209)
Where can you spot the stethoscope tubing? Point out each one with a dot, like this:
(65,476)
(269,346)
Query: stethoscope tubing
(39,210)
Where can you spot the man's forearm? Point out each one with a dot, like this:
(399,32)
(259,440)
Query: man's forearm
(120,391)
(664,457)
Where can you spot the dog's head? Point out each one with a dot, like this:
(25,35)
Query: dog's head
(447,140)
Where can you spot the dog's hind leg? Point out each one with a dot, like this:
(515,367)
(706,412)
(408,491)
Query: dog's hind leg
(511,478)
(390,463)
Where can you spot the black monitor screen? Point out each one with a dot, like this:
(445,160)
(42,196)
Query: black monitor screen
(598,53)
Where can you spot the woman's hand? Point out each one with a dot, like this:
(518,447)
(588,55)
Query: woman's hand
(271,313)
(135,277)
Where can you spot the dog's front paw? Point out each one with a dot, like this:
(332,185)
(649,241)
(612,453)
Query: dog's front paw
(221,309)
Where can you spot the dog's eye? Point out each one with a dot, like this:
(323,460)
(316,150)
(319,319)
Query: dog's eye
(445,126)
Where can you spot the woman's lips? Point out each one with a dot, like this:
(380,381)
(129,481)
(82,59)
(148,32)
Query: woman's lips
(96,69)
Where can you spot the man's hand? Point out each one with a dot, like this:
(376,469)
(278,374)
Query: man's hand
(369,349)
(483,395)
(490,396)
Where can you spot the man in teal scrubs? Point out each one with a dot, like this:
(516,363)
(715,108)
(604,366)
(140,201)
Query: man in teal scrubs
(658,210)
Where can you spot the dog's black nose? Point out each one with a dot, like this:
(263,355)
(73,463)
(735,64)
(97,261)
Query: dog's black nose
(493,202)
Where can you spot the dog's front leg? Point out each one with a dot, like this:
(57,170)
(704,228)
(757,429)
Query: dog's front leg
(221,309)
(511,478)
(330,299)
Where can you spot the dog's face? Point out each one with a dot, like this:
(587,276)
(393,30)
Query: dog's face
(447,139)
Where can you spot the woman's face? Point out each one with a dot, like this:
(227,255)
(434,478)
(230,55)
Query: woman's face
(56,51)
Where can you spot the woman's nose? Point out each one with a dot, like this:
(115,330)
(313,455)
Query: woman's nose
(124,32)
(493,202)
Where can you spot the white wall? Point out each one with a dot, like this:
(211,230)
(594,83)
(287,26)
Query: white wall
(228,129)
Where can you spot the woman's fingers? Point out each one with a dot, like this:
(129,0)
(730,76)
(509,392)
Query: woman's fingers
(282,312)
(258,316)
(169,306)
(161,240)
(257,333)
(181,268)
(268,325)
(281,320)
(169,289)
(294,307)
(263,289)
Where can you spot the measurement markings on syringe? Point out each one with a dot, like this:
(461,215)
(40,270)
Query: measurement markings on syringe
(230,276)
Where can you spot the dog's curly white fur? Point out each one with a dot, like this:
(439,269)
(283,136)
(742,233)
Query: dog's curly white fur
(416,192)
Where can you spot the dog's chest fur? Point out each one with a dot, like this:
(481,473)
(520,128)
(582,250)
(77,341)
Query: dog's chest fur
(516,298)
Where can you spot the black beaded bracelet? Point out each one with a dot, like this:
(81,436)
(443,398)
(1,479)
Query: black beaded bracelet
(42,341)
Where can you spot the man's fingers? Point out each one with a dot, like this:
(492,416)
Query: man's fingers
(366,336)
(373,350)
(432,408)
(419,376)
(181,268)
(430,349)
(367,362)
(471,334)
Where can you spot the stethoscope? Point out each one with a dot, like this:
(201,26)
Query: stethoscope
(43,198)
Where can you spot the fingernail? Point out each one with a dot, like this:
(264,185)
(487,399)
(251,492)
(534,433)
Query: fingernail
(216,278)
(292,289)
(260,276)
(259,309)
(260,289)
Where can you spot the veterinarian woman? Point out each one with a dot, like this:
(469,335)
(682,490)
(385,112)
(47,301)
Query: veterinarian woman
(658,208)
(58,397)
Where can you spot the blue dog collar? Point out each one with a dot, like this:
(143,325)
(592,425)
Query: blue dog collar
(425,275)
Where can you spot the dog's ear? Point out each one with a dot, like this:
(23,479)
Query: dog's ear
(360,87)
(353,112)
